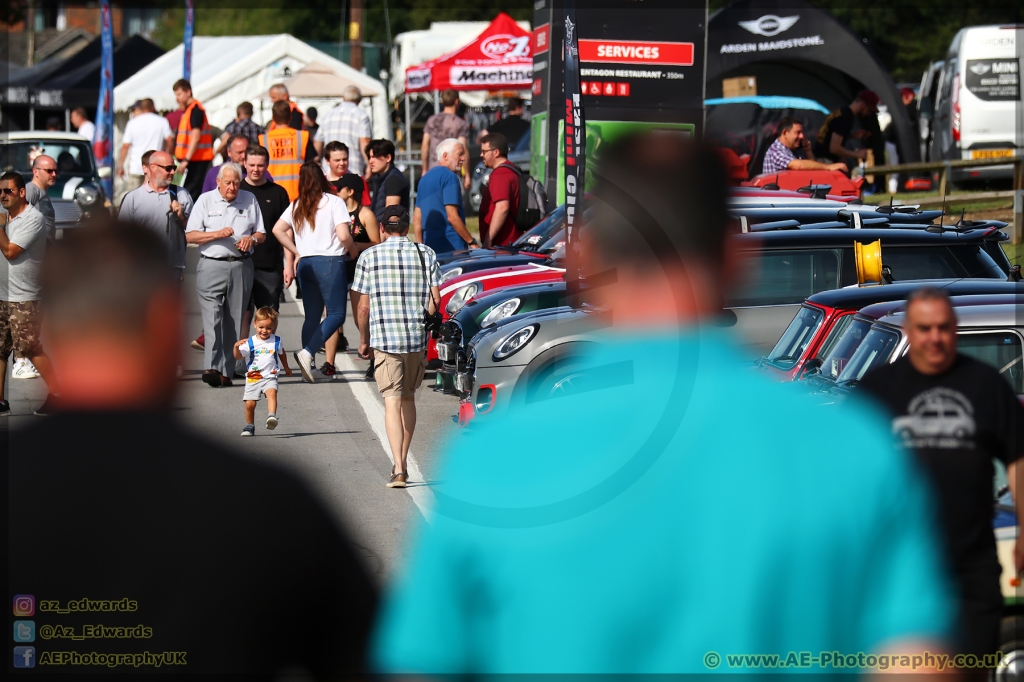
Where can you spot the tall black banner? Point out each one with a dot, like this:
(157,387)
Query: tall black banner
(575,137)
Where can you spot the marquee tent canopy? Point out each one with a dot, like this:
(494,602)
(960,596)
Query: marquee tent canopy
(229,70)
(500,58)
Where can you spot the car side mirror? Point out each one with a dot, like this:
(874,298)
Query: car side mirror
(811,366)
(1014,275)
(104,172)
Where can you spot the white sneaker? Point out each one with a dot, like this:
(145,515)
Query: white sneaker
(318,376)
(24,369)
(305,362)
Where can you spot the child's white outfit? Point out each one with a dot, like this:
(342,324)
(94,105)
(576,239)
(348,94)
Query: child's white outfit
(262,365)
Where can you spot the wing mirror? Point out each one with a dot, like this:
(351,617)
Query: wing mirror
(812,366)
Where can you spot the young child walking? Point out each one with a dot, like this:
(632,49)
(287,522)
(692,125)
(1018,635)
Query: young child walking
(264,359)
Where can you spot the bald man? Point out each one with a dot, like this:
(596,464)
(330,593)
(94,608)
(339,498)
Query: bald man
(162,207)
(44,176)
(279,93)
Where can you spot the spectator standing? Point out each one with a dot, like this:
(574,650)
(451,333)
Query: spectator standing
(289,148)
(279,93)
(958,415)
(146,130)
(226,224)
(236,151)
(439,219)
(792,151)
(365,233)
(336,155)
(442,126)
(349,124)
(44,176)
(269,258)
(512,126)
(397,281)
(85,127)
(315,229)
(499,198)
(309,123)
(162,207)
(575,542)
(194,143)
(22,243)
(242,125)
(388,185)
(114,327)
(838,128)
(174,117)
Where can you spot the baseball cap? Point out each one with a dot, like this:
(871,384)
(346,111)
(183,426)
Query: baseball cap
(349,181)
(870,98)
(396,211)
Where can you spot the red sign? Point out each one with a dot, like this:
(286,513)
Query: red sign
(538,86)
(541,38)
(636,52)
(609,89)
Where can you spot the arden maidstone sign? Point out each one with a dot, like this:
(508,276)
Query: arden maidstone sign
(769,26)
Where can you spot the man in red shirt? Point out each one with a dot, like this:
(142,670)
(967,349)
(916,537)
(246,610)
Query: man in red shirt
(499,198)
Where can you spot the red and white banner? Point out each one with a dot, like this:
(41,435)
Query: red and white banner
(541,38)
(636,52)
(499,58)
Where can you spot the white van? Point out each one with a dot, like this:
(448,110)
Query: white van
(978,112)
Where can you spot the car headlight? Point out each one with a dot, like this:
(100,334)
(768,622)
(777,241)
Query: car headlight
(485,177)
(501,311)
(87,195)
(514,342)
(450,274)
(460,298)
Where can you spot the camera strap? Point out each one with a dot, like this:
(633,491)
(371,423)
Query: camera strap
(426,277)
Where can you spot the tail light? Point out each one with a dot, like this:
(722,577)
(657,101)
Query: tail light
(955,117)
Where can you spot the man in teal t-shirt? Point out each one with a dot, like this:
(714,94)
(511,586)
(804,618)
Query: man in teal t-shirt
(678,511)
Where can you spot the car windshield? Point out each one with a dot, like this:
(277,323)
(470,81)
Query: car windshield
(874,351)
(553,244)
(74,158)
(542,231)
(793,343)
(844,342)
(1001,350)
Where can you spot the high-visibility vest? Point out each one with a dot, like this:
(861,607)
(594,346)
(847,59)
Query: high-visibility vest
(291,105)
(204,152)
(287,147)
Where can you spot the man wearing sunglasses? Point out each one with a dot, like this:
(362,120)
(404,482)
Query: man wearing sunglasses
(22,244)
(162,207)
(44,176)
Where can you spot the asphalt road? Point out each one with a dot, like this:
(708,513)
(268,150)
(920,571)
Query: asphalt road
(331,434)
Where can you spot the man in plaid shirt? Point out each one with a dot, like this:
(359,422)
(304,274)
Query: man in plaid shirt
(397,281)
(242,125)
(792,151)
(349,124)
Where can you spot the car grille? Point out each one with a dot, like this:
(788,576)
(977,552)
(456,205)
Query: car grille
(66,212)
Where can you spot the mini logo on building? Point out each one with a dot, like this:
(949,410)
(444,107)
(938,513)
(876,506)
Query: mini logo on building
(769,25)
(506,46)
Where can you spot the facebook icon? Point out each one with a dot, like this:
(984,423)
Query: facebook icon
(24,657)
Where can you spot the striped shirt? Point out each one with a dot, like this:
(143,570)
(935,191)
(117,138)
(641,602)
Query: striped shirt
(777,158)
(391,275)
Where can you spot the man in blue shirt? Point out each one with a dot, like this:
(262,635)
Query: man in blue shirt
(439,219)
(679,511)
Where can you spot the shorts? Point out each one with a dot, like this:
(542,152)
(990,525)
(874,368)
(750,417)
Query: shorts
(398,374)
(19,328)
(256,390)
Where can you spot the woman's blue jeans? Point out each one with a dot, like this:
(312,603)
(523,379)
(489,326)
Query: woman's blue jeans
(324,284)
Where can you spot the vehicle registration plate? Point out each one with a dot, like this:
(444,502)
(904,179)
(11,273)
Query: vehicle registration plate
(443,352)
(991,153)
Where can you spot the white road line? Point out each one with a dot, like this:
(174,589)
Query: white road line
(374,411)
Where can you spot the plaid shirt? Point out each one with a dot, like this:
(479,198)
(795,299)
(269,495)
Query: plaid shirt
(246,127)
(777,158)
(346,123)
(391,275)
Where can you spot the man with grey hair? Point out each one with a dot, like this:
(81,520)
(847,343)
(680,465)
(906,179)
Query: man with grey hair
(958,414)
(347,123)
(279,93)
(439,219)
(226,224)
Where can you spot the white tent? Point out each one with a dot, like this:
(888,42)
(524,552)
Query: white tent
(229,70)
(417,47)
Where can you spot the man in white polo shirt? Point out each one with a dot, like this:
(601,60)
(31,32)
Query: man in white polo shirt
(226,224)
(146,130)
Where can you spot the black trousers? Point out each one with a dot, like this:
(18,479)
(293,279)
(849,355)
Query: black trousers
(267,288)
(193,184)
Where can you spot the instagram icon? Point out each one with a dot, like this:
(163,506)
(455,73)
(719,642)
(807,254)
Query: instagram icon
(24,605)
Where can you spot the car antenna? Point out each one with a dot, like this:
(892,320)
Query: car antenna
(941,227)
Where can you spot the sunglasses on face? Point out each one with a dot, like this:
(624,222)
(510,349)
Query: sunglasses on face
(48,170)
(169,169)
(5,192)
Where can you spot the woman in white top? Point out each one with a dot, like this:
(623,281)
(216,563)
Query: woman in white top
(315,228)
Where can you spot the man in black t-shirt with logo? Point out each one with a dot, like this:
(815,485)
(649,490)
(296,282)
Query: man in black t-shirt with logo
(387,184)
(957,414)
(268,259)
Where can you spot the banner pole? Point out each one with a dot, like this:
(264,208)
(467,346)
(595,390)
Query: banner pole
(102,142)
(574,146)
(190,25)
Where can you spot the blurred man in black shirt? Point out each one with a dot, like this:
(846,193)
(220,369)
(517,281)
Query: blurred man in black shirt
(832,140)
(513,127)
(958,415)
(121,518)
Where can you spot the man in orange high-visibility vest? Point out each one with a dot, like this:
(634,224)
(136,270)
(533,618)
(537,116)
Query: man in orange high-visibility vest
(193,146)
(288,148)
(279,93)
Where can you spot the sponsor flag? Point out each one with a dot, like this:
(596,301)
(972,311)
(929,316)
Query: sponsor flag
(575,141)
(103,139)
(190,25)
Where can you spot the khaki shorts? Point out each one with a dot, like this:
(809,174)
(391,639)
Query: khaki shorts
(398,374)
(19,328)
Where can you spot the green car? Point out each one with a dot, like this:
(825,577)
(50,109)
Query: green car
(77,195)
